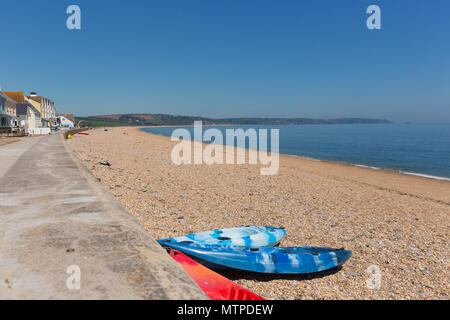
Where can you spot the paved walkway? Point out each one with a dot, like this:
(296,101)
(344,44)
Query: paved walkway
(56,217)
(9,153)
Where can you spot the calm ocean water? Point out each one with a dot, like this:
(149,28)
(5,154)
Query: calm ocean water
(411,148)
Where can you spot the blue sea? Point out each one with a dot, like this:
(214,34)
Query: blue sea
(422,149)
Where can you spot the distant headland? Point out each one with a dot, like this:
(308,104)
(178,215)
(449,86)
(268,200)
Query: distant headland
(129,119)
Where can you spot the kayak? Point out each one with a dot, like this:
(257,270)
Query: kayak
(84,133)
(293,260)
(249,236)
(214,285)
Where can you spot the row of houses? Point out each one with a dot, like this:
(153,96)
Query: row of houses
(30,114)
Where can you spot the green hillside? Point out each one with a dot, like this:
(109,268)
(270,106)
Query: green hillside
(166,119)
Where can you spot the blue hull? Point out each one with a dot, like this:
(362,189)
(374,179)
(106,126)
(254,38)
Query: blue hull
(249,236)
(294,260)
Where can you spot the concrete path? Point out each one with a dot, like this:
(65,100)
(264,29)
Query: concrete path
(11,152)
(56,219)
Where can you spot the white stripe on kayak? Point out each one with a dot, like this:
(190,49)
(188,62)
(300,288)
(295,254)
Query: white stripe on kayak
(318,262)
(267,262)
(294,260)
(334,257)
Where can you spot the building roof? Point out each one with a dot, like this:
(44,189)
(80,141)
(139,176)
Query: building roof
(69,116)
(15,95)
(22,109)
(35,98)
(39,98)
(6,97)
(35,110)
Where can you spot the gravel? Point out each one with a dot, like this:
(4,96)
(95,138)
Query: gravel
(396,222)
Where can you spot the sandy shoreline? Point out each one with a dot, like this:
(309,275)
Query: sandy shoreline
(397,222)
(415,174)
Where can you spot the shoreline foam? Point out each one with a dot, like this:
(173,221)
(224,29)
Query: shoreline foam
(418,174)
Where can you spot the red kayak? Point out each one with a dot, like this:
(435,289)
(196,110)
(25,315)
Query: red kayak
(215,286)
(84,133)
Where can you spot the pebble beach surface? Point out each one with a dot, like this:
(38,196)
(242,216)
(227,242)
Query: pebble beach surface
(393,223)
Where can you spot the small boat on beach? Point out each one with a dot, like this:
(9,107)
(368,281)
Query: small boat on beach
(249,236)
(214,285)
(293,260)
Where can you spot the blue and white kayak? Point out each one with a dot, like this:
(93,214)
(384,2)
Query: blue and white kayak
(294,260)
(249,236)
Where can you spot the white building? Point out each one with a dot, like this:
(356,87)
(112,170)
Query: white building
(29,117)
(64,122)
(8,116)
(46,107)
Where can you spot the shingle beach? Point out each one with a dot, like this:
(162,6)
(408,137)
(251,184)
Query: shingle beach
(397,223)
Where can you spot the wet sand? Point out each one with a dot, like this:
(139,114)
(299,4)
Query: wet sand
(396,222)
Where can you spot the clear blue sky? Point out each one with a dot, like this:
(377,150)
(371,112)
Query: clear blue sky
(232,58)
